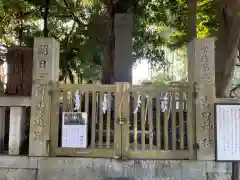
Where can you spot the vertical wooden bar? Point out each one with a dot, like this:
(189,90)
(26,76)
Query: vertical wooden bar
(54,125)
(93,129)
(166,118)
(150,122)
(86,110)
(190,122)
(71,99)
(125,109)
(16,129)
(118,115)
(135,123)
(166,130)
(65,103)
(158,123)
(108,128)
(143,119)
(173,118)
(86,99)
(181,121)
(100,127)
(81,96)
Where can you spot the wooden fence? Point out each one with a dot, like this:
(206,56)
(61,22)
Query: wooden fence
(140,122)
(14,125)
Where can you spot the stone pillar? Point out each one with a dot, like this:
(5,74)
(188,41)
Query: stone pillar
(201,74)
(45,72)
(16,129)
(123,47)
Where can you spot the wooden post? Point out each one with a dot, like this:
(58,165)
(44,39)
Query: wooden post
(201,71)
(46,72)
(16,129)
(125,110)
(117,122)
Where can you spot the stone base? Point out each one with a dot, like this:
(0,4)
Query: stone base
(31,168)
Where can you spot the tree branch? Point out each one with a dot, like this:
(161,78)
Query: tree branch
(73,15)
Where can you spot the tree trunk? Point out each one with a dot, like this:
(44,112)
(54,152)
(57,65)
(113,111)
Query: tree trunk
(226,45)
(21,33)
(192,19)
(108,64)
(45,18)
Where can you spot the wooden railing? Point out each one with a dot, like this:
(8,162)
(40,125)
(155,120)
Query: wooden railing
(140,122)
(146,121)
(101,127)
(162,127)
(14,124)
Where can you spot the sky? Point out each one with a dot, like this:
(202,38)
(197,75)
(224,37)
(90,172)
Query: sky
(140,72)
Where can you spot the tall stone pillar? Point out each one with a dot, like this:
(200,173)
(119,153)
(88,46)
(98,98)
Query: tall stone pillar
(123,47)
(45,72)
(201,74)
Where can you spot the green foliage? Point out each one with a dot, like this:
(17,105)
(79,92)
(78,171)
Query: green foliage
(82,28)
(207,24)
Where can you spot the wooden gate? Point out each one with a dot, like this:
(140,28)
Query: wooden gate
(143,122)
(104,133)
(160,122)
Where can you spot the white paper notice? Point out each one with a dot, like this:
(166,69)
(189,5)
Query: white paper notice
(74,129)
(228,132)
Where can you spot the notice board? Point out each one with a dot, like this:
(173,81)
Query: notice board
(227,119)
(74,129)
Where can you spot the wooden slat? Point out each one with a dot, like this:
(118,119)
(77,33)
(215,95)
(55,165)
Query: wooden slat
(156,88)
(143,119)
(54,123)
(158,123)
(150,122)
(173,118)
(181,121)
(166,130)
(162,154)
(77,152)
(117,127)
(108,120)
(71,101)
(15,101)
(135,123)
(65,101)
(86,87)
(100,133)
(125,109)
(93,129)
(80,97)
(86,99)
